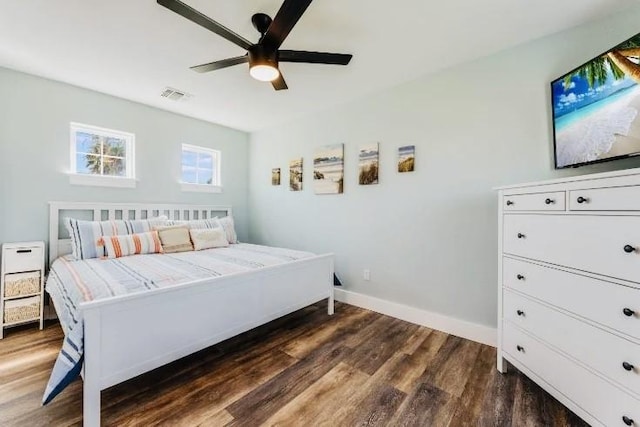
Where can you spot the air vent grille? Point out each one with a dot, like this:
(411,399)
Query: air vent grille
(174,94)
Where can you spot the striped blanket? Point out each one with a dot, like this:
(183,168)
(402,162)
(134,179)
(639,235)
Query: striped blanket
(72,282)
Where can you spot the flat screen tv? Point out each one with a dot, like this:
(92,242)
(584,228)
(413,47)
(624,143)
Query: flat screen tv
(596,106)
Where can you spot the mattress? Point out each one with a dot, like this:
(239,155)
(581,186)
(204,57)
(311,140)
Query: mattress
(72,282)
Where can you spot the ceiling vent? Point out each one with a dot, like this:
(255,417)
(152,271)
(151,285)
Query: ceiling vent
(174,94)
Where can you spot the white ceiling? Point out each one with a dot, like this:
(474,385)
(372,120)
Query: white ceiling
(134,48)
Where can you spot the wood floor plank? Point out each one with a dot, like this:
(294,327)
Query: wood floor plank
(471,402)
(376,401)
(372,354)
(267,399)
(426,406)
(451,367)
(497,405)
(415,341)
(204,393)
(529,409)
(408,374)
(304,344)
(354,368)
(332,389)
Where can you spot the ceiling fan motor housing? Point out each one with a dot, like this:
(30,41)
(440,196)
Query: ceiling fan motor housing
(260,55)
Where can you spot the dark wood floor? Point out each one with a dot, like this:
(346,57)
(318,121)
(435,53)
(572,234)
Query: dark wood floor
(354,368)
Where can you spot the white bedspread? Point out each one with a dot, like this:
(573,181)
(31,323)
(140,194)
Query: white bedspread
(72,282)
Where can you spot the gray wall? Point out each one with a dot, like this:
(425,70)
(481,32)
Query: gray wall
(428,237)
(34,153)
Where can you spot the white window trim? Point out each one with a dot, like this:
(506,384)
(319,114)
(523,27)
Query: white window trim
(200,188)
(203,188)
(75,178)
(101,181)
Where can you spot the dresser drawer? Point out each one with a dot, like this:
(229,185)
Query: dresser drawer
(612,356)
(601,399)
(605,199)
(590,243)
(596,300)
(22,259)
(535,202)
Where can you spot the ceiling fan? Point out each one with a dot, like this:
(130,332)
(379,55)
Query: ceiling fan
(263,57)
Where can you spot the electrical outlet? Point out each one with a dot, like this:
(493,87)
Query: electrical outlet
(366,274)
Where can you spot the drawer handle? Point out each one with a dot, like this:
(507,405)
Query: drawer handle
(520,236)
(520,277)
(628,249)
(627,366)
(520,313)
(628,312)
(520,348)
(509,203)
(582,200)
(23,251)
(549,201)
(628,421)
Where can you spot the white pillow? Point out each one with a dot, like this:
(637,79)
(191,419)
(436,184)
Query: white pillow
(227,224)
(198,223)
(207,238)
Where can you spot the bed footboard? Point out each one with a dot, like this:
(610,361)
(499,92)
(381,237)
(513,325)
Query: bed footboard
(129,335)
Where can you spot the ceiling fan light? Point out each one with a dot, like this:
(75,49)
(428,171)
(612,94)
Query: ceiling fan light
(264,73)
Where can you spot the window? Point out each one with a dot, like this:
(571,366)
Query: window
(101,156)
(200,169)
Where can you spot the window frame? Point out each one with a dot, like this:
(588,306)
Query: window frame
(216,184)
(127,181)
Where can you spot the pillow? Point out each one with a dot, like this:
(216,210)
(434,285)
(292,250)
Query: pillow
(175,238)
(85,234)
(131,244)
(197,223)
(208,238)
(229,229)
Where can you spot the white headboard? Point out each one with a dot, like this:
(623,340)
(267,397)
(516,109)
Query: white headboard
(60,244)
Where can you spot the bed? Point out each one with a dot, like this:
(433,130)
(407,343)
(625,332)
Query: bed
(196,300)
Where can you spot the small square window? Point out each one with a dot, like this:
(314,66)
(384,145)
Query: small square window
(98,153)
(200,167)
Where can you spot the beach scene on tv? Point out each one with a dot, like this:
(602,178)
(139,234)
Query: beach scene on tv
(595,107)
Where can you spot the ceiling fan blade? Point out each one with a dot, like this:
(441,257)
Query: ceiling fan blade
(314,57)
(286,18)
(279,83)
(193,15)
(216,65)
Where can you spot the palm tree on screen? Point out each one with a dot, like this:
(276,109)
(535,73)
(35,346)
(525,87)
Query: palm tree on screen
(622,60)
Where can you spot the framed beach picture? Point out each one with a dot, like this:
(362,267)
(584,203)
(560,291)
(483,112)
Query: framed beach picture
(275,176)
(328,169)
(406,158)
(295,175)
(368,164)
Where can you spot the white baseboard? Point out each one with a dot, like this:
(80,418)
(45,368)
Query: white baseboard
(460,328)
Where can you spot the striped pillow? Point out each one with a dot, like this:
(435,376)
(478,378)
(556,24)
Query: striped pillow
(197,224)
(132,244)
(84,235)
(229,228)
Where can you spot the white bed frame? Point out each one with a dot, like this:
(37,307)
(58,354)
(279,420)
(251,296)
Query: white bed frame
(128,335)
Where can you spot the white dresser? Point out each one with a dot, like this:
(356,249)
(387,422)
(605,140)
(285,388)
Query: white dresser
(569,291)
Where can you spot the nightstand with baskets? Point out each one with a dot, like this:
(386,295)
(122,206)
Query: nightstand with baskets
(21,284)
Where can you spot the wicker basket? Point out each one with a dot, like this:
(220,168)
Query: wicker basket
(21,284)
(22,310)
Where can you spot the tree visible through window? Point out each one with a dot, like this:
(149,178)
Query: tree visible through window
(200,165)
(101,152)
